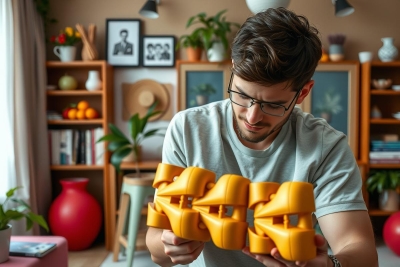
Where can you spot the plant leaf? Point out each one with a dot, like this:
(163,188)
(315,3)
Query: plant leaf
(116,131)
(10,192)
(118,155)
(37,219)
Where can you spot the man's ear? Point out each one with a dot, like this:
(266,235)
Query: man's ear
(305,91)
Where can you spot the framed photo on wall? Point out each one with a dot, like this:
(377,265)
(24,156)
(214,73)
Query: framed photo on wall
(123,42)
(195,80)
(158,51)
(334,97)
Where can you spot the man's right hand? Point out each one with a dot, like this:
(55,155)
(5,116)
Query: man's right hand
(181,251)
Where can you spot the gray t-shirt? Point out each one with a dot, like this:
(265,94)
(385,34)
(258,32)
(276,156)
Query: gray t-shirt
(306,149)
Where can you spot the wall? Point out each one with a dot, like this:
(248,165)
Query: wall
(371,21)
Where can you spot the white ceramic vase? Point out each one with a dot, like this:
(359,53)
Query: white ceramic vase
(389,200)
(388,52)
(5,237)
(216,53)
(65,53)
(93,82)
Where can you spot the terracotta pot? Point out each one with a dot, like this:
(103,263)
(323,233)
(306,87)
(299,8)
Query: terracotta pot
(389,200)
(75,214)
(5,237)
(194,54)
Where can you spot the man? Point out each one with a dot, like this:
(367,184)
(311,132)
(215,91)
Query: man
(150,52)
(165,55)
(259,133)
(123,47)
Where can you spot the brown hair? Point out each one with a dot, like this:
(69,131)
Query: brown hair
(276,46)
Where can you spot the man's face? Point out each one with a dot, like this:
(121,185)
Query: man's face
(255,128)
(124,35)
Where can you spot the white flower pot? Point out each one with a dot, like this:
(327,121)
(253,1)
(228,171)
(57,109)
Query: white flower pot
(5,237)
(216,53)
(389,200)
(256,6)
(65,53)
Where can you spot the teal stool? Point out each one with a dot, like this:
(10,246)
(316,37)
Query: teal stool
(134,192)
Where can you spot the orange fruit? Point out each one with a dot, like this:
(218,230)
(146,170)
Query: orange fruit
(91,113)
(72,113)
(80,114)
(82,105)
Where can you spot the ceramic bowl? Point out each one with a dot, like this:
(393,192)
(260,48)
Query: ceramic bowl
(381,83)
(396,87)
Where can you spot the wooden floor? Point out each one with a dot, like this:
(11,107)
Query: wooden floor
(92,257)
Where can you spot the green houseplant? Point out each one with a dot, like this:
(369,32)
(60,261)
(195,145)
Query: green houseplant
(385,182)
(193,44)
(202,91)
(120,145)
(213,29)
(22,210)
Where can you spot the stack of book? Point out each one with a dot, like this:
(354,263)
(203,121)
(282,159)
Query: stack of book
(73,146)
(384,152)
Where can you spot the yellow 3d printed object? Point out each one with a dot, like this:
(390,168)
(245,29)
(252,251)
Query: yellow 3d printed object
(194,207)
(191,204)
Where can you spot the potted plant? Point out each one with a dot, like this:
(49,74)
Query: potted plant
(202,91)
(214,33)
(121,146)
(22,210)
(385,182)
(193,44)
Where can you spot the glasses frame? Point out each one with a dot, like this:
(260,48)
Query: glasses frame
(256,101)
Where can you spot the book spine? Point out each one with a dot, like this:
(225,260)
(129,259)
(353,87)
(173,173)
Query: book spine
(88,148)
(99,147)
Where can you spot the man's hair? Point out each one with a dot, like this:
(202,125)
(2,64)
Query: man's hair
(123,31)
(276,46)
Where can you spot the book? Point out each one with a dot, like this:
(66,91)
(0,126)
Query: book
(31,249)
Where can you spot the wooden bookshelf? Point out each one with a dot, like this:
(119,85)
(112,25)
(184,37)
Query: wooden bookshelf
(101,100)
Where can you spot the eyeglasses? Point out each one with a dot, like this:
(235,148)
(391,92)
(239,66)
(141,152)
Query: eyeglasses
(246,101)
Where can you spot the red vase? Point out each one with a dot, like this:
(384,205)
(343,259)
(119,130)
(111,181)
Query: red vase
(75,214)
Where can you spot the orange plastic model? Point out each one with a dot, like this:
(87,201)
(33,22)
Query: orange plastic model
(191,204)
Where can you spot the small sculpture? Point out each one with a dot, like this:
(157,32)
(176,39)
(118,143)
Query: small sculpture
(89,51)
(191,204)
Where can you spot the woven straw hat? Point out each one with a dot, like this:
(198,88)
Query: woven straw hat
(139,96)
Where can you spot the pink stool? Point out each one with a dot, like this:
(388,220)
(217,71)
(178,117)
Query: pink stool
(58,257)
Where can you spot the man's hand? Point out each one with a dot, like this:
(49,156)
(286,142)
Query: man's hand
(181,251)
(275,259)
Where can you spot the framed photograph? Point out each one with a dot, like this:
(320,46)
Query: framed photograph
(334,97)
(158,51)
(201,83)
(123,42)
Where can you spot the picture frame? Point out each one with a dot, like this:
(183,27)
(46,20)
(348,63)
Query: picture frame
(336,89)
(158,51)
(190,74)
(123,42)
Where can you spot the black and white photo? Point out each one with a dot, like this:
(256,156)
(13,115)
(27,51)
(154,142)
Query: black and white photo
(123,42)
(158,51)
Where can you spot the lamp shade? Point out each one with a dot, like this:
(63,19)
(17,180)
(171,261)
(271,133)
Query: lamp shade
(342,8)
(256,6)
(149,10)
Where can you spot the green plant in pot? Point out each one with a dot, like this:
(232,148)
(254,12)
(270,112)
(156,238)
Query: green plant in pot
(202,91)
(385,182)
(22,210)
(214,33)
(193,44)
(121,146)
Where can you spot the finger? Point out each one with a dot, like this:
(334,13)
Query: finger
(320,242)
(265,259)
(181,257)
(169,238)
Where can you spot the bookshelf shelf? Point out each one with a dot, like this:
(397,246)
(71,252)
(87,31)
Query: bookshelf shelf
(78,92)
(79,167)
(68,138)
(75,122)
